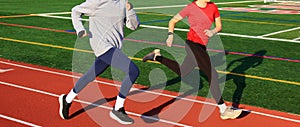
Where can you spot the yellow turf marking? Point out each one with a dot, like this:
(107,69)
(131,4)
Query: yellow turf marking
(46,45)
(16,16)
(258,22)
(156,14)
(139,59)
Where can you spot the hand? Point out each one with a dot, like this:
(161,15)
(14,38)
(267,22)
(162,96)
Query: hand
(170,40)
(82,34)
(210,33)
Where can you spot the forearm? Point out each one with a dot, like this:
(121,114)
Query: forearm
(76,20)
(132,21)
(218,24)
(86,8)
(171,26)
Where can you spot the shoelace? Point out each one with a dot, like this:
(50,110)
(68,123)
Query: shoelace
(122,110)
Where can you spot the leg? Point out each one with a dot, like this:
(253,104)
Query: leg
(122,62)
(65,100)
(96,69)
(203,62)
(181,70)
(205,65)
(119,60)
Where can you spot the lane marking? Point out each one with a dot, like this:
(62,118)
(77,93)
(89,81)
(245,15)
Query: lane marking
(5,70)
(258,22)
(226,19)
(90,103)
(151,92)
(278,32)
(155,43)
(297,39)
(227,34)
(139,59)
(179,29)
(17,16)
(19,121)
(176,6)
(136,8)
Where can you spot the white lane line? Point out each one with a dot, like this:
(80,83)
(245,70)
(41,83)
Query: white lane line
(297,38)
(90,103)
(5,70)
(179,29)
(175,6)
(55,13)
(19,121)
(152,92)
(228,34)
(279,32)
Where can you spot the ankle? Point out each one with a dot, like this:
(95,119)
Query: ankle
(222,107)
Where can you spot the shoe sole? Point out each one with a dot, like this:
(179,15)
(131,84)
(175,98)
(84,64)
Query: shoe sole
(113,116)
(61,106)
(225,118)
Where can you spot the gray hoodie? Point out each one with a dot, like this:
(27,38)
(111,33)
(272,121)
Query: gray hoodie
(106,22)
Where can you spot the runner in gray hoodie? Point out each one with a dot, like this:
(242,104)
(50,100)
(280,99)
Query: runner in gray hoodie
(106,24)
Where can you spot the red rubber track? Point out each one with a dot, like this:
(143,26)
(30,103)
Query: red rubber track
(30,93)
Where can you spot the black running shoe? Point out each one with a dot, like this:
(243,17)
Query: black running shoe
(152,55)
(64,107)
(120,116)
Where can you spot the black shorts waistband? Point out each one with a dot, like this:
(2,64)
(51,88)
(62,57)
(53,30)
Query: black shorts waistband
(192,44)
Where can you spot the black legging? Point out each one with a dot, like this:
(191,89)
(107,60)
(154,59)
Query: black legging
(197,56)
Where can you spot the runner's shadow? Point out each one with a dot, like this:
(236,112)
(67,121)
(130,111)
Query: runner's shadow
(151,116)
(193,79)
(237,74)
(91,106)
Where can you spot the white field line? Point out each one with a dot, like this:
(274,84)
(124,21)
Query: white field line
(19,121)
(296,39)
(55,13)
(178,29)
(175,6)
(90,103)
(278,32)
(5,70)
(228,34)
(151,92)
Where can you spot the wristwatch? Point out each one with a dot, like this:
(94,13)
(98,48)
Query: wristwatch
(170,33)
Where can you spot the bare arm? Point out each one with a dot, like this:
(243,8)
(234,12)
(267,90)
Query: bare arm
(218,24)
(172,24)
(214,31)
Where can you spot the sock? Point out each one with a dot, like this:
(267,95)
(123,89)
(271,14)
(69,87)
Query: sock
(71,95)
(222,107)
(119,103)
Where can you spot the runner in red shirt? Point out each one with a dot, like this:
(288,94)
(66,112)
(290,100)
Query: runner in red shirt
(201,14)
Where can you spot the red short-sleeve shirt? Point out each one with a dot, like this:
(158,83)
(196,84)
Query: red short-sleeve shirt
(199,19)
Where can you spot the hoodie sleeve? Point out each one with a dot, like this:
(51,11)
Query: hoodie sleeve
(86,8)
(132,21)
